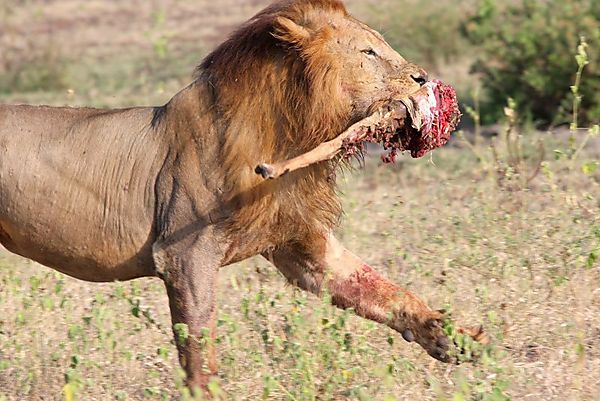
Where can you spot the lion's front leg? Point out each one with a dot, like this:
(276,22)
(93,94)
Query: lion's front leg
(189,270)
(354,284)
(376,298)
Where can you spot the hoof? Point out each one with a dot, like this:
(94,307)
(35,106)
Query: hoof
(264,170)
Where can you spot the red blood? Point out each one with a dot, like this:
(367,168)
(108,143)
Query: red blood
(365,291)
(446,116)
(398,136)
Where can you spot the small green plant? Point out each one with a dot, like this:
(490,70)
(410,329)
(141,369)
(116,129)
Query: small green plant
(594,253)
(487,380)
(182,332)
(157,36)
(582,60)
(512,170)
(73,380)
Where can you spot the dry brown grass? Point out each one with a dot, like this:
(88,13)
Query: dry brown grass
(516,260)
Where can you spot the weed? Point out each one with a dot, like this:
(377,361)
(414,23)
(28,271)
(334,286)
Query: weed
(33,70)
(157,35)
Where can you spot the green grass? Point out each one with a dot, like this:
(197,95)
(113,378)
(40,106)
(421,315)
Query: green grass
(119,81)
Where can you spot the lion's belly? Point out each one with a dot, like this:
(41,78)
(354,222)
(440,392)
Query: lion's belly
(77,237)
(82,205)
(85,260)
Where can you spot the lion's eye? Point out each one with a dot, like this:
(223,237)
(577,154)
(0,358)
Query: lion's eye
(370,52)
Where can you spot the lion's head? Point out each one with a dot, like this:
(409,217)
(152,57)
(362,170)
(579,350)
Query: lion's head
(295,75)
(362,68)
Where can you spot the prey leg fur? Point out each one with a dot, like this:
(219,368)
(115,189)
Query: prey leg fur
(325,151)
(325,263)
(394,116)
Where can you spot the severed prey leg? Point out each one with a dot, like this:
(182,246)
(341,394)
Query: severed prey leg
(328,150)
(354,284)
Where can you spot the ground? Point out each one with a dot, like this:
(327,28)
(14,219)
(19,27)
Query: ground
(465,233)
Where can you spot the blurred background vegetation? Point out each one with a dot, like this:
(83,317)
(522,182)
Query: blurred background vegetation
(522,49)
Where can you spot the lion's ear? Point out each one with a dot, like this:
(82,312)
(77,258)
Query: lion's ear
(290,32)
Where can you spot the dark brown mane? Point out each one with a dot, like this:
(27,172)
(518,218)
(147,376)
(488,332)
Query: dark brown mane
(276,99)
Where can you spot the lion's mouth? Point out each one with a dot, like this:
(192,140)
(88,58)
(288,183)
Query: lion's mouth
(418,123)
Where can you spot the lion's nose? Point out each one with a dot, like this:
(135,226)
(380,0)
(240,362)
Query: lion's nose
(420,77)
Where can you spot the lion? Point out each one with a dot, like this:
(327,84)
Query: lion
(171,191)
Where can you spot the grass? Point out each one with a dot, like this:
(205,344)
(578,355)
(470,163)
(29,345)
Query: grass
(518,261)
(462,229)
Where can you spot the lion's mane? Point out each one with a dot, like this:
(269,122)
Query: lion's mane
(277,95)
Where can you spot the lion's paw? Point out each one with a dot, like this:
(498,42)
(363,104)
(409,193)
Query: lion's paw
(446,343)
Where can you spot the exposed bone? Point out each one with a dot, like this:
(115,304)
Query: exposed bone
(382,118)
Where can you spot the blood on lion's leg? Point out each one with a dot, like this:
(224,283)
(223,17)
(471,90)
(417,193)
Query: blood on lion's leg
(324,262)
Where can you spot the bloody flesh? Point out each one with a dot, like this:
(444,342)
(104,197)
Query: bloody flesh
(438,113)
